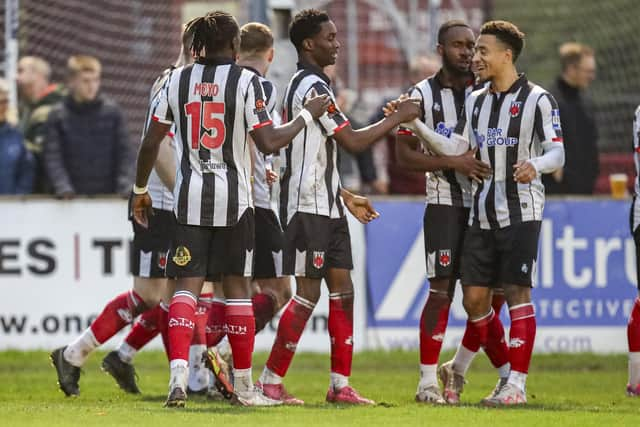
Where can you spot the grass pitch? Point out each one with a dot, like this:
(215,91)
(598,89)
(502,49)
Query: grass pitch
(575,390)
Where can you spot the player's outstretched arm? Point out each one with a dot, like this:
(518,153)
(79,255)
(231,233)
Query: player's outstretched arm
(147,156)
(269,139)
(439,144)
(410,158)
(358,140)
(359,206)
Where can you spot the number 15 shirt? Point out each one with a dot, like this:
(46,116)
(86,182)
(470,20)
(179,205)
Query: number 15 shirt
(214,106)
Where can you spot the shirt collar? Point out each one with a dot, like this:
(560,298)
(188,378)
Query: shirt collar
(522,81)
(214,61)
(315,70)
(246,67)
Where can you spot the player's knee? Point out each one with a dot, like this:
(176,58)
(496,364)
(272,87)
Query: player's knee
(311,295)
(516,295)
(285,293)
(474,306)
(438,299)
(150,302)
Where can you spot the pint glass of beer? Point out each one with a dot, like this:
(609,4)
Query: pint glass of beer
(618,183)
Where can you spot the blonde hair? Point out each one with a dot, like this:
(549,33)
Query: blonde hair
(38,64)
(79,63)
(571,53)
(255,38)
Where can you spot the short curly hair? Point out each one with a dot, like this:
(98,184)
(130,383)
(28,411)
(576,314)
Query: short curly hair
(507,33)
(306,24)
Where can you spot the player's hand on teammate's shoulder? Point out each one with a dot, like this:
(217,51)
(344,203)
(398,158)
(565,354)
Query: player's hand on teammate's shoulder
(317,105)
(141,208)
(524,172)
(468,165)
(360,207)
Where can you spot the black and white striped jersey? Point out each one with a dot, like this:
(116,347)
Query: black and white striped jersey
(311,183)
(507,128)
(636,160)
(161,196)
(214,106)
(442,107)
(261,190)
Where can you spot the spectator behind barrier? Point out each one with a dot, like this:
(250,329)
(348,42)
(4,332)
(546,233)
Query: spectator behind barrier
(390,177)
(16,163)
(37,96)
(88,150)
(578,123)
(355,169)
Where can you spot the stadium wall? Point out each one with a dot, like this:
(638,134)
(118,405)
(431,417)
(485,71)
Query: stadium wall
(60,262)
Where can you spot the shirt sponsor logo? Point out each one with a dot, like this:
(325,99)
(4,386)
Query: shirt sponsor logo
(495,137)
(443,130)
(209,166)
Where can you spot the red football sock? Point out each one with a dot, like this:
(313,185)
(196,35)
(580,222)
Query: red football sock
(341,332)
(290,328)
(182,314)
(163,326)
(264,308)
(480,327)
(496,347)
(118,313)
(497,301)
(145,329)
(215,323)
(433,324)
(469,339)
(521,336)
(241,331)
(202,317)
(633,328)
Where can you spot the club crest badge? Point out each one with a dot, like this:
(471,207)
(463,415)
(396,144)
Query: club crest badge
(318,259)
(182,256)
(444,257)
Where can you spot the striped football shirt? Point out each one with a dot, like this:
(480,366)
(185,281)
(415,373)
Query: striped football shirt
(214,105)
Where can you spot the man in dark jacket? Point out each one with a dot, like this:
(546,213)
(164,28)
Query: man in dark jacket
(578,123)
(37,96)
(16,163)
(88,151)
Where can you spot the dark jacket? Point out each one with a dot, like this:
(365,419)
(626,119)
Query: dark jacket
(16,162)
(580,136)
(33,120)
(88,149)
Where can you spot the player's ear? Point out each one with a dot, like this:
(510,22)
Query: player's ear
(440,49)
(307,44)
(270,55)
(508,56)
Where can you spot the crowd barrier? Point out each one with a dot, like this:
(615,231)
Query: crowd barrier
(60,262)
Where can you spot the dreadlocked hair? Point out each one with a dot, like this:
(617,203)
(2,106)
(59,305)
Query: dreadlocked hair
(212,32)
